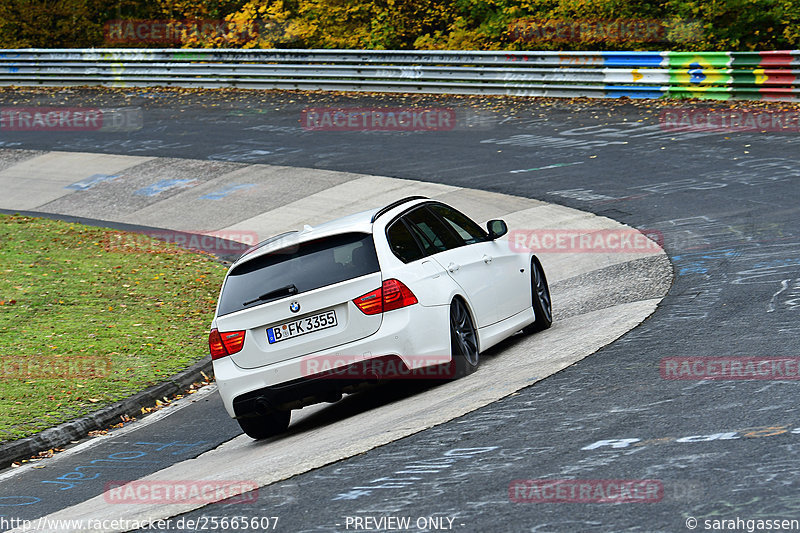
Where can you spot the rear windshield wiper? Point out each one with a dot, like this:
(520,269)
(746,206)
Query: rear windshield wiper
(288,290)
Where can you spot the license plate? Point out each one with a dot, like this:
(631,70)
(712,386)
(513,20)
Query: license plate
(295,328)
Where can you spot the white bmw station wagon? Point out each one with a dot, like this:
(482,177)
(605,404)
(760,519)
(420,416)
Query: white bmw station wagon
(412,285)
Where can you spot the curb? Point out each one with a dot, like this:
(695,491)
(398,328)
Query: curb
(76,429)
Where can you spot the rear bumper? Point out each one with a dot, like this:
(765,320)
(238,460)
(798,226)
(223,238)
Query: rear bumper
(416,335)
(323,387)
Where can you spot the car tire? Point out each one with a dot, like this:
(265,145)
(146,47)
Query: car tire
(542,306)
(264,426)
(463,340)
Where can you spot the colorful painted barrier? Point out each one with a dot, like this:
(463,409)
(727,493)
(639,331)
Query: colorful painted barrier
(771,75)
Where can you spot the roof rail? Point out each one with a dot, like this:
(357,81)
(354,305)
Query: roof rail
(392,205)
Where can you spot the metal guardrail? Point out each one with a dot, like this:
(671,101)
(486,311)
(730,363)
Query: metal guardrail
(717,75)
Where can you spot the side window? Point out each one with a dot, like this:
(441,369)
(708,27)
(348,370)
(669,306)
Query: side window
(435,236)
(402,243)
(427,245)
(468,230)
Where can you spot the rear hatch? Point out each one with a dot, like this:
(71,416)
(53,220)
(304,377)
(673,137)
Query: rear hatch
(298,300)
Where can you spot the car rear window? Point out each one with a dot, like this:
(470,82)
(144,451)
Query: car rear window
(307,266)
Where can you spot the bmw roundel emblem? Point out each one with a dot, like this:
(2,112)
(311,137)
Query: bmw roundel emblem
(294,307)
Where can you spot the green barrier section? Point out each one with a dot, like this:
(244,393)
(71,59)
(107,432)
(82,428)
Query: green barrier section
(705,60)
(705,93)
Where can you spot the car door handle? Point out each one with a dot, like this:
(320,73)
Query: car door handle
(487,259)
(452,267)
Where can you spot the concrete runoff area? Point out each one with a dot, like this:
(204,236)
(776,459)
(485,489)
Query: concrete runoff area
(33,182)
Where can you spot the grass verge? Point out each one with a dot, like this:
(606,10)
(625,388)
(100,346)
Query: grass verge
(86,321)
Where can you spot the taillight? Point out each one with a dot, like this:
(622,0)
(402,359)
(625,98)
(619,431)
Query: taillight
(396,295)
(370,303)
(393,294)
(224,343)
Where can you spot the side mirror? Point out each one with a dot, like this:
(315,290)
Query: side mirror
(497,228)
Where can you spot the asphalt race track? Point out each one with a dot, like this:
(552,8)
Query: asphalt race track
(120,187)
(727,205)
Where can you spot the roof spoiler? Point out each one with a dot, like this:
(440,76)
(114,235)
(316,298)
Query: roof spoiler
(392,205)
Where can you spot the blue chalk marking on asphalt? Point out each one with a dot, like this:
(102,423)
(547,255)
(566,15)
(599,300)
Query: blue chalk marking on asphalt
(164,185)
(222,193)
(791,261)
(696,263)
(123,459)
(177,443)
(14,501)
(556,165)
(91,181)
